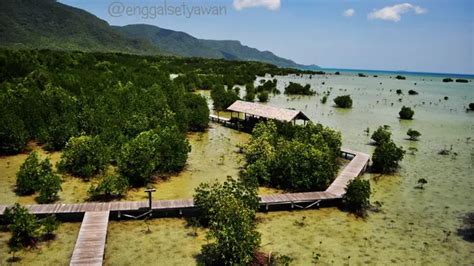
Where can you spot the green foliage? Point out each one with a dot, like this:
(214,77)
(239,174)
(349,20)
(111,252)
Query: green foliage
(300,158)
(229,210)
(13,134)
(296,88)
(27,178)
(413,134)
(471,106)
(462,80)
(400,77)
(399,92)
(447,80)
(162,150)
(406,113)
(24,227)
(109,187)
(49,183)
(50,224)
(263,96)
(387,156)
(412,92)
(344,101)
(269,86)
(84,156)
(357,197)
(198,112)
(421,183)
(324,99)
(381,135)
(223,98)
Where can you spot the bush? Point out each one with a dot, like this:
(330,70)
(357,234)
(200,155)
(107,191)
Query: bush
(462,80)
(13,134)
(84,156)
(109,187)
(163,150)
(24,227)
(447,80)
(406,113)
(344,101)
(381,135)
(50,224)
(223,98)
(386,157)
(400,77)
(324,99)
(27,178)
(412,92)
(399,92)
(413,134)
(263,96)
(198,112)
(49,183)
(300,158)
(296,88)
(229,209)
(471,106)
(357,197)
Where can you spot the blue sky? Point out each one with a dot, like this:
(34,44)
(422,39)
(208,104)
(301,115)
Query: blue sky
(425,35)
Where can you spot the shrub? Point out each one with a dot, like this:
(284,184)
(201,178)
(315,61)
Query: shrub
(413,134)
(357,197)
(400,77)
(296,88)
(406,113)
(447,80)
(229,209)
(13,134)
(49,183)
(399,92)
(462,80)
(249,96)
(109,187)
(263,96)
(381,135)
(223,98)
(362,75)
(198,112)
(139,158)
(344,101)
(173,150)
(24,227)
(84,156)
(412,92)
(300,158)
(50,224)
(387,156)
(471,106)
(324,99)
(27,178)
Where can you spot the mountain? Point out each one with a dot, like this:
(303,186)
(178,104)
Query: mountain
(53,25)
(49,24)
(181,43)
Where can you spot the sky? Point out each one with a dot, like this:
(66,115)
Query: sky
(424,35)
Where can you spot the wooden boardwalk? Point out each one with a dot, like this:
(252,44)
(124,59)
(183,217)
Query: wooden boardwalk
(90,243)
(336,190)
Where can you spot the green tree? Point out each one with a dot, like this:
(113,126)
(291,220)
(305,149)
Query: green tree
(140,157)
(387,156)
(406,113)
(413,134)
(344,101)
(13,134)
(471,106)
(84,156)
(49,183)
(230,210)
(357,197)
(109,187)
(28,177)
(24,227)
(49,225)
(198,112)
(381,135)
(263,96)
(296,88)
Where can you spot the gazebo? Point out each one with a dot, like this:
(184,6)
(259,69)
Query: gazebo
(257,111)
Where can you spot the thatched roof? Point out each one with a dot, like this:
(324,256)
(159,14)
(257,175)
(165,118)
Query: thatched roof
(266,111)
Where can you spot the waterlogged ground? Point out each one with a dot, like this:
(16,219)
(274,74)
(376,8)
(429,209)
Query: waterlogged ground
(54,252)
(414,226)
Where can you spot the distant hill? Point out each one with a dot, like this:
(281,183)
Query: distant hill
(52,25)
(181,43)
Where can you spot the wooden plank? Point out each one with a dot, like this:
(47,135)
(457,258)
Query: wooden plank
(90,243)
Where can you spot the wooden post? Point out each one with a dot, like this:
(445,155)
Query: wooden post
(149,191)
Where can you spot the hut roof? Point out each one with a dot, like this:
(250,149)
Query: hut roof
(267,111)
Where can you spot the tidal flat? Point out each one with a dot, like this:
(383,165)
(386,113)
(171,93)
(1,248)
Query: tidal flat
(414,226)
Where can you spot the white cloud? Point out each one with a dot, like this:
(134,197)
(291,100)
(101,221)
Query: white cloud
(348,12)
(269,4)
(393,13)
